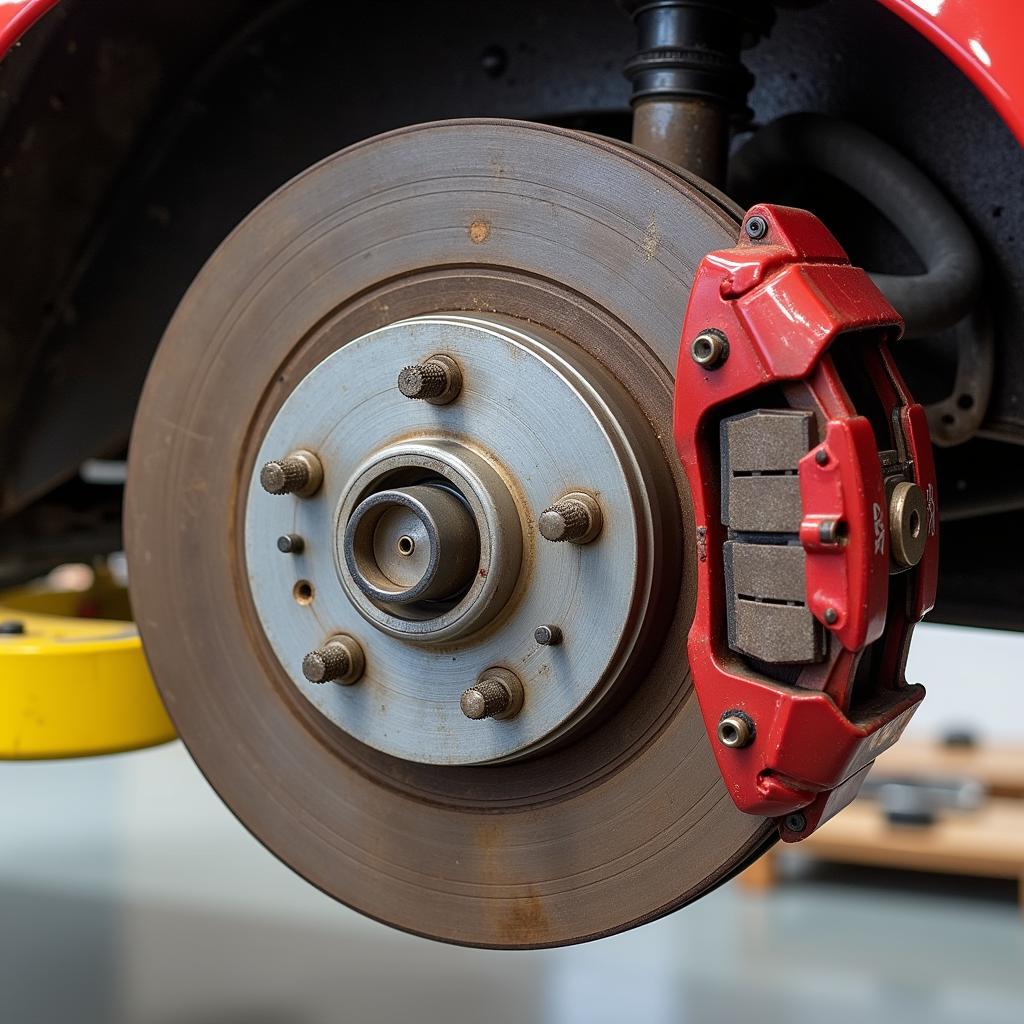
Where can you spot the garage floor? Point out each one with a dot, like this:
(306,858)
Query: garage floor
(129,895)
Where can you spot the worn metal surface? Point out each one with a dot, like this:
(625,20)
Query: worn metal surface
(534,420)
(628,821)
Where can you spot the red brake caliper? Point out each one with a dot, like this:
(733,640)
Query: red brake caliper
(814,497)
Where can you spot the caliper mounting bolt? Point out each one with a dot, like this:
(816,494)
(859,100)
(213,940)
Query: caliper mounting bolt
(299,473)
(340,660)
(756,227)
(710,349)
(735,729)
(437,380)
(498,693)
(795,822)
(575,517)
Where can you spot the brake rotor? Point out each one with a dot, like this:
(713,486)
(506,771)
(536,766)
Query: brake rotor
(552,269)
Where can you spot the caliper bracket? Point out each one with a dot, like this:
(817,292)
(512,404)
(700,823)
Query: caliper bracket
(783,322)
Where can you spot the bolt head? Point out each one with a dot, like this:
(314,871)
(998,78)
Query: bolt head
(290,544)
(547,636)
(821,457)
(795,822)
(831,616)
(756,227)
(735,730)
(710,349)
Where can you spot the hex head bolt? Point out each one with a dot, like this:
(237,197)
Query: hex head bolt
(437,380)
(299,473)
(710,349)
(498,693)
(756,228)
(340,660)
(575,518)
(735,730)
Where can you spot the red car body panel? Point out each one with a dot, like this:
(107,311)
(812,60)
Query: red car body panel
(981,37)
(17,17)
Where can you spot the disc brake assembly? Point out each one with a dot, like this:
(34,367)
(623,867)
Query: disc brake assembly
(416,556)
(816,536)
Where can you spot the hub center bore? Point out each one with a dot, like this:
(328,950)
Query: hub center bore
(412,544)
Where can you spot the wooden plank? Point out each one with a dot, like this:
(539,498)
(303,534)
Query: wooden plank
(989,841)
(999,766)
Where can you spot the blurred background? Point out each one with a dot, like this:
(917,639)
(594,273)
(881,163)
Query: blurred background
(128,893)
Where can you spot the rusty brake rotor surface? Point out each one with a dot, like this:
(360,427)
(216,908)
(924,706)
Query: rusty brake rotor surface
(410,544)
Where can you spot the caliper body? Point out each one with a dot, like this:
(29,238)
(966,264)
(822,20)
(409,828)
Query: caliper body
(816,540)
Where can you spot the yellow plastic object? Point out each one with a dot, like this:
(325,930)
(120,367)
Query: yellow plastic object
(70,687)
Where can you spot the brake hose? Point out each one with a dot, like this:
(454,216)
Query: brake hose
(930,302)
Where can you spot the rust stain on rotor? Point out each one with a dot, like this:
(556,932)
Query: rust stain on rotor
(525,923)
(518,920)
(650,240)
(479,231)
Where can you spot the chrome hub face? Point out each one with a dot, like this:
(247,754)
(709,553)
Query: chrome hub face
(422,541)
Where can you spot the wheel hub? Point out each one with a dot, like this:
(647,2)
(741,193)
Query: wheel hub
(423,542)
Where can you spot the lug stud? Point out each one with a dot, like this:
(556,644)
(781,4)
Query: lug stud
(299,473)
(498,693)
(710,349)
(576,518)
(437,380)
(547,636)
(340,660)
